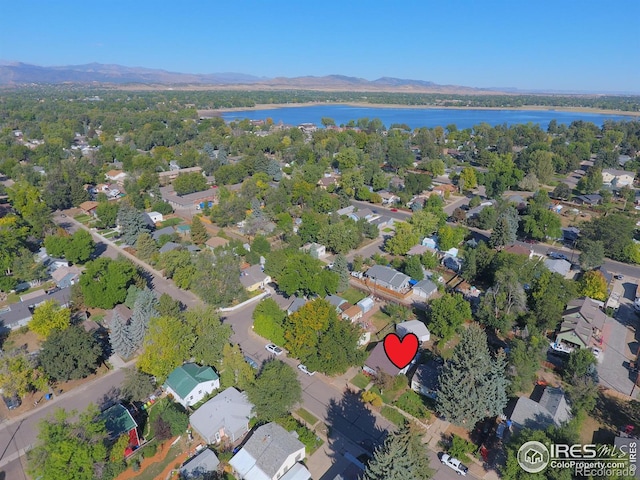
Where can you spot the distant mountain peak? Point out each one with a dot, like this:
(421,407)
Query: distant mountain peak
(18,73)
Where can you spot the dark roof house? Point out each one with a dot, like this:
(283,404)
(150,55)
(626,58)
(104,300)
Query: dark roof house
(551,409)
(388,277)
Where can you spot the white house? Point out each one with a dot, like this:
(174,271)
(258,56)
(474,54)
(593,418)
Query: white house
(270,454)
(190,383)
(617,178)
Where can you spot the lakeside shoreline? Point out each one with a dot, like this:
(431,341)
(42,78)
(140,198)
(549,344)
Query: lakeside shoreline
(271,106)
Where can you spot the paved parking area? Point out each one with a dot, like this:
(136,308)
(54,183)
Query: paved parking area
(620,345)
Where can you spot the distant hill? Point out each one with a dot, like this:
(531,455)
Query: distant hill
(97,73)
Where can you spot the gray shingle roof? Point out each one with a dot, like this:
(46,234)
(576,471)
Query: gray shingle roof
(270,445)
(163,231)
(203,463)
(229,410)
(387,275)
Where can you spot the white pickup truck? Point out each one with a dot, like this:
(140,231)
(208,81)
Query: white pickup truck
(454,463)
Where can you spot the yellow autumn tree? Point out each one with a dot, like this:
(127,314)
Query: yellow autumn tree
(49,317)
(593,285)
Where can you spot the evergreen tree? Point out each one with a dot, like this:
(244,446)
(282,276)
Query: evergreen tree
(146,246)
(143,310)
(504,233)
(472,384)
(119,337)
(131,223)
(199,233)
(340,266)
(401,457)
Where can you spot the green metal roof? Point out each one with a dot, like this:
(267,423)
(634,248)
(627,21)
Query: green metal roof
(118,420)
(188,376)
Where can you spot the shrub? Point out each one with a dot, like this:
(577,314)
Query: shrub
(151,449)
(372,398)
(460,447)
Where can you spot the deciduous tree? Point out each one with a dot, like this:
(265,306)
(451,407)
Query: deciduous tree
(593,285)
(104,282)
(447,314)
(268,321)
(70,354)
(234,370)
(403,239)
(275,392)
(211,335)
(48,317)
(137,385)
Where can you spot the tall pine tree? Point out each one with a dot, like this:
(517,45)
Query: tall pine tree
(199,233)
(340,266)
(143,310)
(472,384)
(131,223)
(401,457)
(119,337)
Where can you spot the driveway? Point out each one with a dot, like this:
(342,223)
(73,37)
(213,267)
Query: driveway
(620,345)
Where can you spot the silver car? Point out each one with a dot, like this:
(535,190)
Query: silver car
(273,348)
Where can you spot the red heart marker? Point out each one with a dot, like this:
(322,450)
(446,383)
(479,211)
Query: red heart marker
(401,352)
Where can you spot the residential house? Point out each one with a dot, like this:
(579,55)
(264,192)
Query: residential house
(316,250)
(570,234)
(397,183)
(169,176)
(119,422)
(592,199)
(418,328)
(362,213)
(215,242)
(617,178)
(122,311)
(117,176)
(475,211)
(558,265)
(336,301)
(519,250)
(378,361)
(419,249)
(430,242)
(582,324)
(424,289)
(225,416)
(350,312)
(269,454)
(66,276)
(297,304)
(253,278)
(550,409)
(169,247)
(388,278)
(203,464)
(346,210)
(445,189)
(382,221)
(190,203)
(425,379)
(89,207)
(328,180)
(18,314)
(190,383)
(155,217)
(388,198)
(452,262)
(162,231)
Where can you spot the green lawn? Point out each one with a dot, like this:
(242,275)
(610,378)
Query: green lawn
(171,222)
(360,381)
(387,230)
(352,295)
(307,416)
(381,320)
(110,234)
(393,415)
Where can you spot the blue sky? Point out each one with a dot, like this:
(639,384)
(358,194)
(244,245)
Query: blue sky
(577,45)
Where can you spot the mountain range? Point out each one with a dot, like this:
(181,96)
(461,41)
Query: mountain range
(16,73)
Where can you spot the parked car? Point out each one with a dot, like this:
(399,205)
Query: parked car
(251,362)
(619,276)
(454,464)
(276,350)
(304,369)
(557,255)
(596,352)
(12,402)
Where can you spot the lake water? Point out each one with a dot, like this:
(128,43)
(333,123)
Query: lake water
(419,117)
